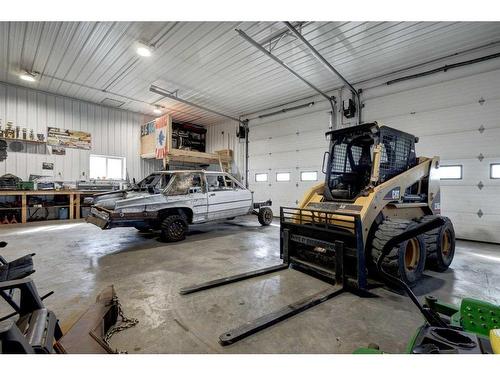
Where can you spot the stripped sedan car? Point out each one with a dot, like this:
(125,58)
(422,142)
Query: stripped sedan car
(171,200)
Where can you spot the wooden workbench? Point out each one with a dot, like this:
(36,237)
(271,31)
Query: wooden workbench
(73,198)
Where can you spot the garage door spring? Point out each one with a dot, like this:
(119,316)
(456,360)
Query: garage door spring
(125,324)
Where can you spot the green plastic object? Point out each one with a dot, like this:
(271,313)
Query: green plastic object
(474,316)
(367,351)
(479,317)
(25,185)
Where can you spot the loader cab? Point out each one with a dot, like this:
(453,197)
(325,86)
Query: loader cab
(349,164)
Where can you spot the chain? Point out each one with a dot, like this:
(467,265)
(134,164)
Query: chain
(125,324)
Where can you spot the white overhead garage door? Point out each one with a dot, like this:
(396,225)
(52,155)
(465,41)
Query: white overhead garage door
(458,120)
(286,147)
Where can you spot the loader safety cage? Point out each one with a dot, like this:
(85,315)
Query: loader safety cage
(336,240)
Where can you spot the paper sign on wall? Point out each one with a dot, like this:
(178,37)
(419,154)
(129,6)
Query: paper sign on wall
(161,127)
(69,138)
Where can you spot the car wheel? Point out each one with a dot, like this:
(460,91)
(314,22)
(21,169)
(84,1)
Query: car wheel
(265,216)
(173,228)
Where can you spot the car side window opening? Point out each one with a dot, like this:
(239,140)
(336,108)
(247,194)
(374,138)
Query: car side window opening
(154,182)
(185,183)
(219,182)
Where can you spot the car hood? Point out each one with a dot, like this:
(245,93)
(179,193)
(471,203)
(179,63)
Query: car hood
(114,200)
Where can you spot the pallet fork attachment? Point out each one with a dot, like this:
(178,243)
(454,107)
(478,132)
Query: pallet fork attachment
(342,278)
(339,286)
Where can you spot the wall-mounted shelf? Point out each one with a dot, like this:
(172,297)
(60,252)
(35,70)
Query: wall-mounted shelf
(23,140)
(73,201)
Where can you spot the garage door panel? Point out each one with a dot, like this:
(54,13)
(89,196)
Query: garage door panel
(473,171)
(261,191)
(448,120)
(301,141)
(461,145)
(296,159)
(470,199)
(445,94)
(317,121)
(470,226)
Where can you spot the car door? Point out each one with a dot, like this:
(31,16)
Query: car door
(189,189)
(226,197)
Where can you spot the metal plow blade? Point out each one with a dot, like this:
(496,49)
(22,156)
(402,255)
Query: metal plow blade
(87,334)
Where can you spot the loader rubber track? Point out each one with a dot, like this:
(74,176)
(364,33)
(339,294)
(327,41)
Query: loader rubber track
(394,261)
(434,260)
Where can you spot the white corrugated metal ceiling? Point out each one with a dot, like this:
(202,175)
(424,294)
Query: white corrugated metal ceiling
(208,63)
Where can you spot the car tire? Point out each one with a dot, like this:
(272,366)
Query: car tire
(173,228)
(265,216)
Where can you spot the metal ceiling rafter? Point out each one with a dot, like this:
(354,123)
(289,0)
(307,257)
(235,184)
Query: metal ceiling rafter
(325,63)
(168,94)
(331,99)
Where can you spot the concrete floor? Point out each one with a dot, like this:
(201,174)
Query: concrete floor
(77,260)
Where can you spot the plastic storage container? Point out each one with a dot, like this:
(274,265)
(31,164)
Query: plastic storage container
(63,213)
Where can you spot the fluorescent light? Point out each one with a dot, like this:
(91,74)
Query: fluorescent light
(144,50)
(28,76)
(158,110)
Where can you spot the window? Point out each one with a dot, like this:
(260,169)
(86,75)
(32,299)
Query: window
(107,167)
(282,176)
(186,183)
(220,182)
(260,177)
(495,170)
(157,181)
(308,176)
(450,172)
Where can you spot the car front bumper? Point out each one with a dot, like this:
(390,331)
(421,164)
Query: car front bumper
(99,217)
(106,219)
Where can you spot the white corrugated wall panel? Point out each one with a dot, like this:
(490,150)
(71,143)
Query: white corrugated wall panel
(223,136)
(114,132)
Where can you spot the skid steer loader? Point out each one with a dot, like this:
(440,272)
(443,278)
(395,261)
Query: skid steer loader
(375,189)
(373,175)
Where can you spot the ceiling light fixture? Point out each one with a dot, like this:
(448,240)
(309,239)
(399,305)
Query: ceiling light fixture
(28,76)
(143,49)
(158,110)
